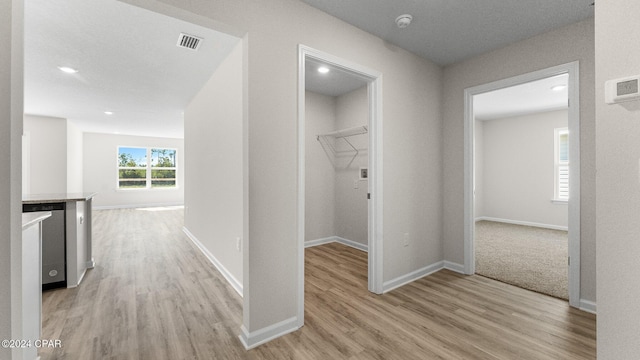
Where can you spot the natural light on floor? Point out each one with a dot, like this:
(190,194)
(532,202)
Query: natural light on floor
(161,208)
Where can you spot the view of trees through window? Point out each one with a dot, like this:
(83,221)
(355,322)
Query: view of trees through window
(144,168)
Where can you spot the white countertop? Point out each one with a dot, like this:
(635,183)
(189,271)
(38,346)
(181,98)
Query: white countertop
(33,218)
(54,198)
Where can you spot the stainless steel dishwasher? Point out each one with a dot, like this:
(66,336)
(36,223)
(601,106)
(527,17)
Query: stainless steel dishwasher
(54,252)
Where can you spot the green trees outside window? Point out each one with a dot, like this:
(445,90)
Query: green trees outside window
(144,168)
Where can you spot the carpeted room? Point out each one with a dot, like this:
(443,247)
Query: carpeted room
(521,188)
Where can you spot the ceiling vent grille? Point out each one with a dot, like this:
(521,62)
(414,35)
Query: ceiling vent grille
(189,41)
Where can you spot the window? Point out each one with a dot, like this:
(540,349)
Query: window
(561,164)
(146,168)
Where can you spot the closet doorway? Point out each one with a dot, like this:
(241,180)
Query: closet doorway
(339,161)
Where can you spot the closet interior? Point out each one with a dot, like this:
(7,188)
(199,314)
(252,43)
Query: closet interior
(336,160)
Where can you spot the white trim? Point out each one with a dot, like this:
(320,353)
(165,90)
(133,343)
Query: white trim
(82,276)
(133,206)
(455,267)
(574,152)
(525,223)
(337,239)
(321,241)
(353,244)
(412,276)
(375,206)
(588,306)
(560,201)
(259,337)
(558,164)
(237,286)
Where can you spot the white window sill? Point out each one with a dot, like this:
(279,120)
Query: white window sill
(148,189)
(560,201)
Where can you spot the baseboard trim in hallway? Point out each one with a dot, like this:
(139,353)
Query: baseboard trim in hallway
(254,339)
(237,286)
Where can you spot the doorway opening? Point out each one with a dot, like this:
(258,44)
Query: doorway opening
(522,182)
(340,159)
(521,185)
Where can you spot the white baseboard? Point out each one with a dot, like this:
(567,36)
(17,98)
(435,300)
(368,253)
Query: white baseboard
(82,276)
(353,244)
(455,267)
(412,276)
(588,306)
(338,239)
(237,286)
(259,337)
(318,242)
(134,206)
(525,223)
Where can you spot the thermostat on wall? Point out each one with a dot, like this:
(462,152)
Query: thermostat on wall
(619,90)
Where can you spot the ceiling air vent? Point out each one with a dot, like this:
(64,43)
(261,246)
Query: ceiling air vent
(189,41)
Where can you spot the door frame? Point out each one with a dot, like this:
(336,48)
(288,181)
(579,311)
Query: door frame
(572,69)
(374,81)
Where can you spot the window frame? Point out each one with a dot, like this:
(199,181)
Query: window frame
(561,166)
(148,169)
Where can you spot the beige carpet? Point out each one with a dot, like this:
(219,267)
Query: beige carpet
(524,256)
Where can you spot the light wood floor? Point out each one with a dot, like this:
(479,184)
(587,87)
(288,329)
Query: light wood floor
(152,295)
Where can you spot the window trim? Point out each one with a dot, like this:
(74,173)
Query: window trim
(148,169)
(558,164)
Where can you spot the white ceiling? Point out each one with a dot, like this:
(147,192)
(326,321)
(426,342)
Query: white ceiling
(334,83)
(448,31)
(532,97)
(128,63)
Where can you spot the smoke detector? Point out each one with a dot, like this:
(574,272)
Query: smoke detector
(403,20)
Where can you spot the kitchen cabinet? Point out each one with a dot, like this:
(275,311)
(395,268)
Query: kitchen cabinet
(30,286)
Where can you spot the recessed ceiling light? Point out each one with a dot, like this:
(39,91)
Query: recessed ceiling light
(323,69)
(67,69)
(558,87)
(108,112)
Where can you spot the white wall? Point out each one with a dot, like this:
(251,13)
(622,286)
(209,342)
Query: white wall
(54,155)
(320,174)
(48,154)
(100,171)
(11,108)
(618,191)
(74,158)
(412,144)
(214,164)
(571,43)
(351,204)
(518,169)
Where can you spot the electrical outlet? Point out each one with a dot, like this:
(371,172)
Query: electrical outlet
(238,243)
(406,240)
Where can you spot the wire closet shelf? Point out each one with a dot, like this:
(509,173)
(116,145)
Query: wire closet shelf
(328,142)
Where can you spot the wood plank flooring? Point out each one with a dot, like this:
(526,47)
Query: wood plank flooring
(153,295)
